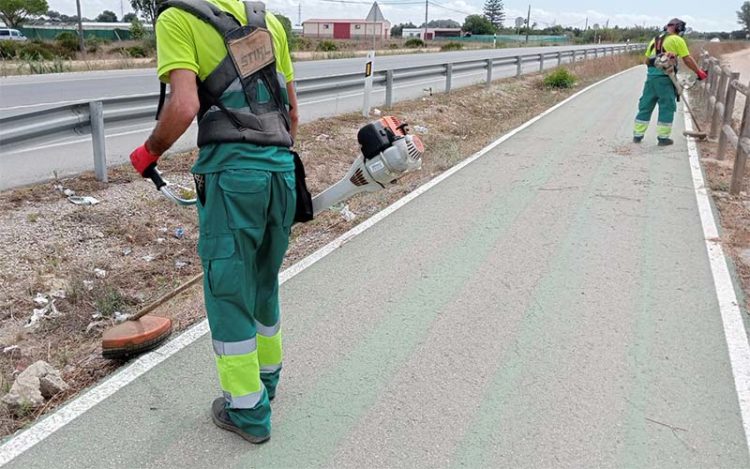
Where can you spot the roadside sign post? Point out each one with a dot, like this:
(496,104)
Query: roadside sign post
(368,83)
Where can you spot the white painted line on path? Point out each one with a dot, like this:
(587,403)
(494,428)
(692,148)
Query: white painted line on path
(731,315)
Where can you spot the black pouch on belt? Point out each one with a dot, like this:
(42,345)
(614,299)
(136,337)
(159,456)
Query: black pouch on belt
(304,210)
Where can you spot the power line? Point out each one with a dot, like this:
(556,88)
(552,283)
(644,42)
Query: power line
(449,8)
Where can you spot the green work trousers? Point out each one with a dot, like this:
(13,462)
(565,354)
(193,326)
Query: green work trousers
(657,90)
(245,221)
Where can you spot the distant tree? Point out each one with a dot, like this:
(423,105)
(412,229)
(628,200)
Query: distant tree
(743,16)
(137,31)
(443,24)
(129,17)
(15,12)
(148,9)
(107,16)
(495,12)
(398,30)
(478,24)
(68,19)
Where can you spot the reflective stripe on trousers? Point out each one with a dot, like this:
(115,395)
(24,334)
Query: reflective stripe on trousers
(237,364)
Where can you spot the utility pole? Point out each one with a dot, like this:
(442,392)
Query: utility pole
(426,6)
(122,11)
(586,28)
(299,14)
(528,24)
(80,28)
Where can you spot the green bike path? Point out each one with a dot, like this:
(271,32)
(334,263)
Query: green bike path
(549,305)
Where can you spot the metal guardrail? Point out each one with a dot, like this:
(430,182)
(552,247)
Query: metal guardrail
(90,118)
(719,94)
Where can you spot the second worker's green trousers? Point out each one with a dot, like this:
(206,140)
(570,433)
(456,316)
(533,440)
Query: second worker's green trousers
(245,221)
(658,89)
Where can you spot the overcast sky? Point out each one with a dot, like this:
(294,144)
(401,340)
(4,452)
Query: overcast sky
(702,15)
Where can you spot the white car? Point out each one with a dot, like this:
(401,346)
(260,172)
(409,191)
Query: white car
(716,39)
(7,34)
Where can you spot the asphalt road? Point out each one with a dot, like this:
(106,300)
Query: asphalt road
(72,154)
(549,305)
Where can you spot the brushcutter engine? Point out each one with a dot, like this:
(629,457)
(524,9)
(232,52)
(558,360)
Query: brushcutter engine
(666,62)
(388,153)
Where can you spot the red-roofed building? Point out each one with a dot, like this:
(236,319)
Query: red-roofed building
(374,25)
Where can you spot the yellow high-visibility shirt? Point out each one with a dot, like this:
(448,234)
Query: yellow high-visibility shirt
(673,43)
(186,42)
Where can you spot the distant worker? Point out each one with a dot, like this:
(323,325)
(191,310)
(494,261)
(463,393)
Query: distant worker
(228,63)
(659,88)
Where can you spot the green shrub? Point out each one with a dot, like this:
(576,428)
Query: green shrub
(8,49)
(109,300)
(36,50)
(149,44)
(393,45)
(137,31)
(136,51)
(414,43)
(297,43)
(451,46)
(94,44)
(326,46)
(559,78)
(67,42)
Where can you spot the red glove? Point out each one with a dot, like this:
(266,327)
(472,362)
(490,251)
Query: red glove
(702,75)
(142,159)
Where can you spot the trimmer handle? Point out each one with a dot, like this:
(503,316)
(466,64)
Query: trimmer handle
(152,173)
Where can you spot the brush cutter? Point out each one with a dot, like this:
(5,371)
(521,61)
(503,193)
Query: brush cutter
(668,64)
(388,152)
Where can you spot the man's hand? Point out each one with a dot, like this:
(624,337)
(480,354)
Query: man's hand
(702,75)
(142,159)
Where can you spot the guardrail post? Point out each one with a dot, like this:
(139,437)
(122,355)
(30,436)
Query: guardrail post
(573,59)
(713,79)
(585,54)
(596,53)
(489,72)
(739,161)
(720,97)
(559,59)
(388,89)
(541,62)
(519,65)
(728,111)
(96,116)
(704,65)
(448,77)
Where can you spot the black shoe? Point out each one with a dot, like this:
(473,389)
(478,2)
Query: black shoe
(222,420)
(664,142)
(638,139)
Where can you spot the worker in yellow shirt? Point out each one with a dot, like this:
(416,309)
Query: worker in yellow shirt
(659,88)
(228,63)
